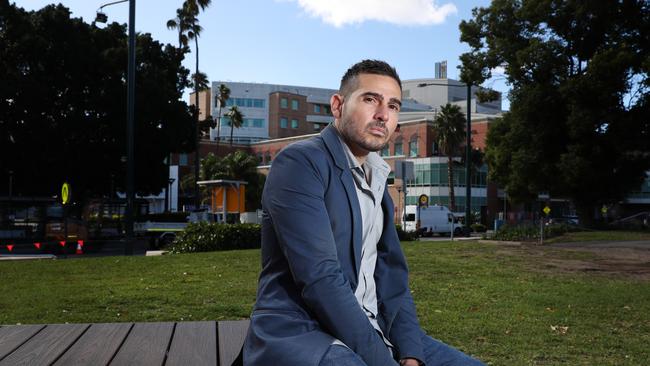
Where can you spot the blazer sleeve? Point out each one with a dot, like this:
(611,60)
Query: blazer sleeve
(294,198)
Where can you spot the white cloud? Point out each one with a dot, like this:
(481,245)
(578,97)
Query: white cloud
(403,12)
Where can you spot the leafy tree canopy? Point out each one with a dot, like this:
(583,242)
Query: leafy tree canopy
(578,126)
(63,104)
(235,166)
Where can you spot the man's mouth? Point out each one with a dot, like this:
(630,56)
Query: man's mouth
(378,130)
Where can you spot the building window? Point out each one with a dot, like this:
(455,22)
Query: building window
(398,147)
(284,122)
(294,104)
(385,151)
(182,159)
(245,102)
(294,123)
(284,103)
(267,158)
(316,126)
(253,122)
(413,147)
(434,148)
(316,108)
(328,110)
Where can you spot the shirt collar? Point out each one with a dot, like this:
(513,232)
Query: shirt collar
(373,160)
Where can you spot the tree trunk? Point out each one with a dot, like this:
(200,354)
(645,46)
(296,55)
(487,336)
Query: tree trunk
(197,199)
(450,179)
(232,129)
(218,129)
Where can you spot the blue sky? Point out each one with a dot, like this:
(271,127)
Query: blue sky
(305,42)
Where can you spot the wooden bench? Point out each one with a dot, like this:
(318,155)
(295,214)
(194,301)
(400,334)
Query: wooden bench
(180,343)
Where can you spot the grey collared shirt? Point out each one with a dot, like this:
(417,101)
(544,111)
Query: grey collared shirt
(370,181)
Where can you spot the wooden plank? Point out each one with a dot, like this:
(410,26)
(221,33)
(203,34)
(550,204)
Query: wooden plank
(194,343)
(145,345)
(97,346)
(11,337)
(231,340)
(46,346)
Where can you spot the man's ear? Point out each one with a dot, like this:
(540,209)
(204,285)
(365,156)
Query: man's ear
(336,103)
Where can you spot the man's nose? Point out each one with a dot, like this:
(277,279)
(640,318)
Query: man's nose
(381,113)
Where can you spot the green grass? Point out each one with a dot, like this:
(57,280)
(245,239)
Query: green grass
(614,235)
(497,305)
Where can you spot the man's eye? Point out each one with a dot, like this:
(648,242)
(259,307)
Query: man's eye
(369,99)
(394,107)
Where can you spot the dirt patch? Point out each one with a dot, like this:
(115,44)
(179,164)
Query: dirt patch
(630,260)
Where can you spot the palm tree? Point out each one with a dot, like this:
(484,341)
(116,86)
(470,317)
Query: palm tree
(187,23)
(450,128)
(179,23)
(236,119)
(222,96)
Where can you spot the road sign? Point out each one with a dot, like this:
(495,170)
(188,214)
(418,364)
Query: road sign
(604,210)
(65,193)
(423,200)
(547,210)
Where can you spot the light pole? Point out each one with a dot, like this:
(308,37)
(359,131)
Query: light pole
(468,146)
(11,184)
(130,123)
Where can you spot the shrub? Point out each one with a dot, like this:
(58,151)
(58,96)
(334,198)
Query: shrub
(405,235)
(479,228)
(531,232)
(205,237)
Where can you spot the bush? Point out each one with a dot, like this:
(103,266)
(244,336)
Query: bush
(478,228)
(531,232)
(405,235)
(206,237)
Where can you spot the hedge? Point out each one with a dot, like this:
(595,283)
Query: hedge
(206,237)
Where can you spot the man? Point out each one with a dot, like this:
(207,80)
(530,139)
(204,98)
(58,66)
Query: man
(334,283)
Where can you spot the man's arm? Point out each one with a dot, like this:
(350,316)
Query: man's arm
(294,197)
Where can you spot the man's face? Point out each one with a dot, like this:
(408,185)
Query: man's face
(367,117)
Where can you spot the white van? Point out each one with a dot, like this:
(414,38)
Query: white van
(431,220)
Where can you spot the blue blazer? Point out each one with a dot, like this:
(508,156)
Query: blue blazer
(311,252)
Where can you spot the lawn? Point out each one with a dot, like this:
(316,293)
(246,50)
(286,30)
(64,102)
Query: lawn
(612,235)
(501,306)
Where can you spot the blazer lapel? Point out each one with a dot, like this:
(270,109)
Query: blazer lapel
(331,139)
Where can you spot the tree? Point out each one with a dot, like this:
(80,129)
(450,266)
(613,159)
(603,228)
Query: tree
(578,125)
(234,166)
(180,24)
(222,96)
(189,15)
(63,102)
(235,120)
(449,125)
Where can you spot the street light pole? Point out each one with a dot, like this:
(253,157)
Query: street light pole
(468,146)
(130,123)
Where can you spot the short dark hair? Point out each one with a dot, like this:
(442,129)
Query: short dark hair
(376,67)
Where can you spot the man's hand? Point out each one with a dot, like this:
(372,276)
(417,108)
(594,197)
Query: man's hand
(409,362)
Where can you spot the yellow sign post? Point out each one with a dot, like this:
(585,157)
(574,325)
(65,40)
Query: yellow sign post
(547,210)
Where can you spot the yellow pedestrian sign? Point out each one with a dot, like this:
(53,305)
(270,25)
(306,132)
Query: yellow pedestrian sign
(547,210)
